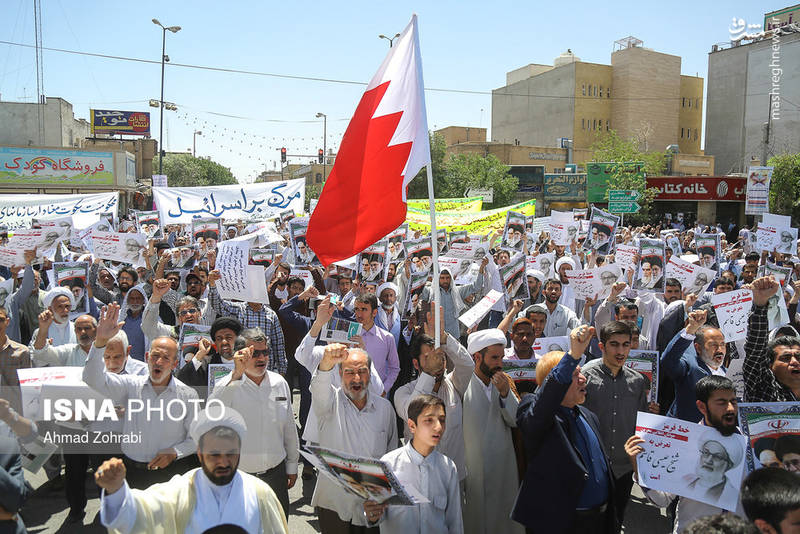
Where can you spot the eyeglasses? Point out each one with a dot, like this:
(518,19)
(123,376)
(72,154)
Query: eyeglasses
(190,311)
(717,457)
(352,372)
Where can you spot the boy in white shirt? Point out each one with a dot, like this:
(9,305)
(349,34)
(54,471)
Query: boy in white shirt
(420,465)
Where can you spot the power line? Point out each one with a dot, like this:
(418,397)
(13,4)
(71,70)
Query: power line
(326,80)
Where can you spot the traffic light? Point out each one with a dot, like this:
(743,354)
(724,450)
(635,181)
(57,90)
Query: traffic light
(321,155)
(283,155)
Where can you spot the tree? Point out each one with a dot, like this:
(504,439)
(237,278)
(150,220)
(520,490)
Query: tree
(784,190)
(184,170)
(470,170)
(610,147)
(312,191)
(418,187)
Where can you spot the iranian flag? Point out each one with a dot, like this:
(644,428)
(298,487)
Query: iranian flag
(383,148)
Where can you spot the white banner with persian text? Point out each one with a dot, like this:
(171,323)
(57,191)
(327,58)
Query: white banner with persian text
(253,201)
(16,211)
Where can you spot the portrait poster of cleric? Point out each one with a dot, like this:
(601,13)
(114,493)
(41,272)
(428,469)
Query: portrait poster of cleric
(420,252)
(602,226)
(208,228)
(303,254)
(74,275)
(513,231)
(148,224)
(396,250)
(372,264)
(773,434)
(708,250)
(514,280)
(650,276)
(695,461)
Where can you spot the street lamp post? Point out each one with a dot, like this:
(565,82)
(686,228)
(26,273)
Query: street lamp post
(194,142)
(173,29)
(324,142)
(390,39)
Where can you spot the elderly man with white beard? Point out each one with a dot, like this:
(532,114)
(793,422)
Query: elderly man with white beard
(388,316)
(45,353)
(58,302)
(351,419)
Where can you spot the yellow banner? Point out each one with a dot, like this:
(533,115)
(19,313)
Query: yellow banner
(479,222)
(471,204)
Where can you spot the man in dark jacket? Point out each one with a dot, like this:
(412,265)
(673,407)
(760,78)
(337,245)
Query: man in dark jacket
(194,372)
(568,487)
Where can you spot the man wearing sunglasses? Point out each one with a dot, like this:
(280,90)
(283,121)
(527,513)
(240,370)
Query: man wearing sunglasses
(188,312)
(270,450)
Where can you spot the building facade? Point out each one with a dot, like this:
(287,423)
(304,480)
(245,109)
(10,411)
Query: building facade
(642,95)
(751,84)
(61,128)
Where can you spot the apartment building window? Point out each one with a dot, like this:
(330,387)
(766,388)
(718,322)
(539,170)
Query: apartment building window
(583,89)
(595,90)
(697,103)
(608,93)
(690,102)
(601,91)
(695,134)
(683,102)
(594,124)
(681,133)
(608,125)
(583,124)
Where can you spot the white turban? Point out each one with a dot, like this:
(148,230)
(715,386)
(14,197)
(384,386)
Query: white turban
(565,259)
(536,273)
(731,444)
(60,291)
(477,341)
(217,415)
(388,285)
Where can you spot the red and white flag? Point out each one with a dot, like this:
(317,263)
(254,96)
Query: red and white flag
(383,148)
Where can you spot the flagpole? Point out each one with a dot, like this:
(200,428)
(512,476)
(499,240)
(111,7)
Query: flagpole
(435,247)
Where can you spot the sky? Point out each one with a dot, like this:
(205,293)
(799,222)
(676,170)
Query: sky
(245,119)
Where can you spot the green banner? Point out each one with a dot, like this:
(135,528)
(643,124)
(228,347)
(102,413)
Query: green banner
(598,174)
(471,204)
(479,222)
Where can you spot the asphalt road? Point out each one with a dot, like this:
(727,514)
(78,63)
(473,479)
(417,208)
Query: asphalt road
(46,511)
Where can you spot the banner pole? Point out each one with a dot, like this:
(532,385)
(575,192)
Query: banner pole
(435,247)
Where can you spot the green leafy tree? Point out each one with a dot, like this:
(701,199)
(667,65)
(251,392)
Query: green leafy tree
(610,147)
(312,191)
(470,170)
(184,170)
(784,191)
(418,187)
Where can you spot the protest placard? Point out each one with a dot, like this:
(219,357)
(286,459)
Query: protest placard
(460,236)
(473,250)
(539,225)
(624,256)
(580,214)
(563,227)
(32,379)
(116,246)
(395,249)
(546,263)
(372,264)
(584,283)
(543,345)
(149,224)
(17,211)
(513,231)
(239,280)
(44,240)
(366,478)
(608,274)
(218,371)
(420,252)
(646,362)
(512,274)
(340,331)
(10,257)
(733,309)
(208,229)
(771,427)
(190,336)
(263,256)
(416,285)
(475,314)
(757,194)
(735,373)
(602,227)
(693,278)
(267,199)
(523,373)
(691,460)
(74,276)
(6,288)
(34,454)
(303,274)
(650,276)
(708,250)
(441,240)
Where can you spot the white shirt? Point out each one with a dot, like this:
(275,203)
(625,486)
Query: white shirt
(160,431)
(267,412)
(67,355)
(60,333)
(560,322)
(436,477)
(451,391)
(370,432)
(308,355)
(235,503)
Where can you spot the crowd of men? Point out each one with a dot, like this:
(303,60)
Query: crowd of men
(488,454)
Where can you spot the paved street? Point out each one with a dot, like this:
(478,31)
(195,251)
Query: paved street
(46,511)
